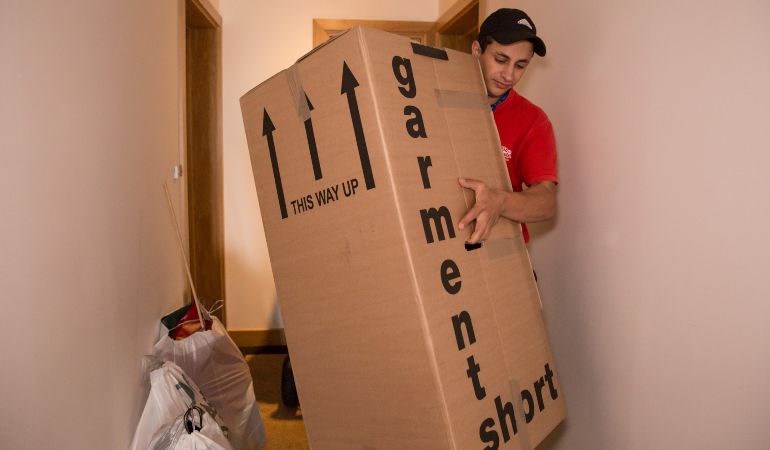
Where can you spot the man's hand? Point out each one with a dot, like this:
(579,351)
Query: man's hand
(534,204)
(486,210)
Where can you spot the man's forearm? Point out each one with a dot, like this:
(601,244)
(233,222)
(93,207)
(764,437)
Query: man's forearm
(536,204)
(532,205)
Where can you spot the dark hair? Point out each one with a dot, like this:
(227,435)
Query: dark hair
(484,41)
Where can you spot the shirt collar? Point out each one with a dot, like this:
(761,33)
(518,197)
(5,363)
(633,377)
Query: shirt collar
(500,100)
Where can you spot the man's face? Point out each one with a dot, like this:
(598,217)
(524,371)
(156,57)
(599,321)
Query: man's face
(503,65)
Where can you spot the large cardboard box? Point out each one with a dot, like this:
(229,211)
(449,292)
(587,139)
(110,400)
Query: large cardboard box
(400,337)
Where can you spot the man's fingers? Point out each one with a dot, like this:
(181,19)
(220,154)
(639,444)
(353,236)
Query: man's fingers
(480,231)
(478,212)
(469,217)
(469,183)
(476,236)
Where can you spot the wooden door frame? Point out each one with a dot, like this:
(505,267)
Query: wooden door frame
(201,143)
(458,27)
(451,20)
(455,29)
(423,32)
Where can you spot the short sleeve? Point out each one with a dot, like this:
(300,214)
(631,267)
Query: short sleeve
(537,159)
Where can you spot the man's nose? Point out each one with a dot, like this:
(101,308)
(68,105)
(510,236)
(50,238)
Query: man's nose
(508,74)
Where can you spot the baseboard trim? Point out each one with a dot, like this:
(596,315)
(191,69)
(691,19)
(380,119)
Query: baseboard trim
(253,338)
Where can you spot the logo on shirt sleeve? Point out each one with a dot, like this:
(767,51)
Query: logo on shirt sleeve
(507,153)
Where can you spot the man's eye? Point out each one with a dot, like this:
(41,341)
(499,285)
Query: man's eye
(500,61)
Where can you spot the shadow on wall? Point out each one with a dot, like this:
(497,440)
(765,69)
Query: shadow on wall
(537,230)
(551,442)
(246,284)
(276,320)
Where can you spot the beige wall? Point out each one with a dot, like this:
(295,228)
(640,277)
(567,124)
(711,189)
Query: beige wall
(260,39)
(655,276)
(89,125)
(444,5)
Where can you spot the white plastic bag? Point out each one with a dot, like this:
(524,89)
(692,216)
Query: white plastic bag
(177,416)
(206,435)
(216,365)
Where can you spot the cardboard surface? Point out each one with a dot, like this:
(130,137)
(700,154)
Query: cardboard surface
(399,337)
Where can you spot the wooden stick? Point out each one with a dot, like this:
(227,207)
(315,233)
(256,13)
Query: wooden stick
(184,255)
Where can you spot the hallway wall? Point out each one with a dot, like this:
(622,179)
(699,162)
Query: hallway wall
(89,120)
(655,275)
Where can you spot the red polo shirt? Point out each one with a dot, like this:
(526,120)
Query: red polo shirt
(528,143)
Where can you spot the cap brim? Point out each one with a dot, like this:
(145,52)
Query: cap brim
(515,36)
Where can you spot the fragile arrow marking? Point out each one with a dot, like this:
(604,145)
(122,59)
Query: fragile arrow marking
(267,130)
(311,142)
(349,85)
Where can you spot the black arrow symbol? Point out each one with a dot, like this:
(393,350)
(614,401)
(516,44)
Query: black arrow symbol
(311,143)
(349,85)
(267,130)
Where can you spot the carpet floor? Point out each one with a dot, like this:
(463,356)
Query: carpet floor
(283,426)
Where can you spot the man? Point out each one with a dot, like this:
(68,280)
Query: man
(506,44)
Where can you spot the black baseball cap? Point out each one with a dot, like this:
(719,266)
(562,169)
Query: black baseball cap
(508,25)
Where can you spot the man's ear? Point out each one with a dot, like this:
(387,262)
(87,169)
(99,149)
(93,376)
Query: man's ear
(476,49)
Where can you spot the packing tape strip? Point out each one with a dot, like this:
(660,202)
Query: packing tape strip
(459,99)
(500,248)
(431,52)
(297,93)
(521,422)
